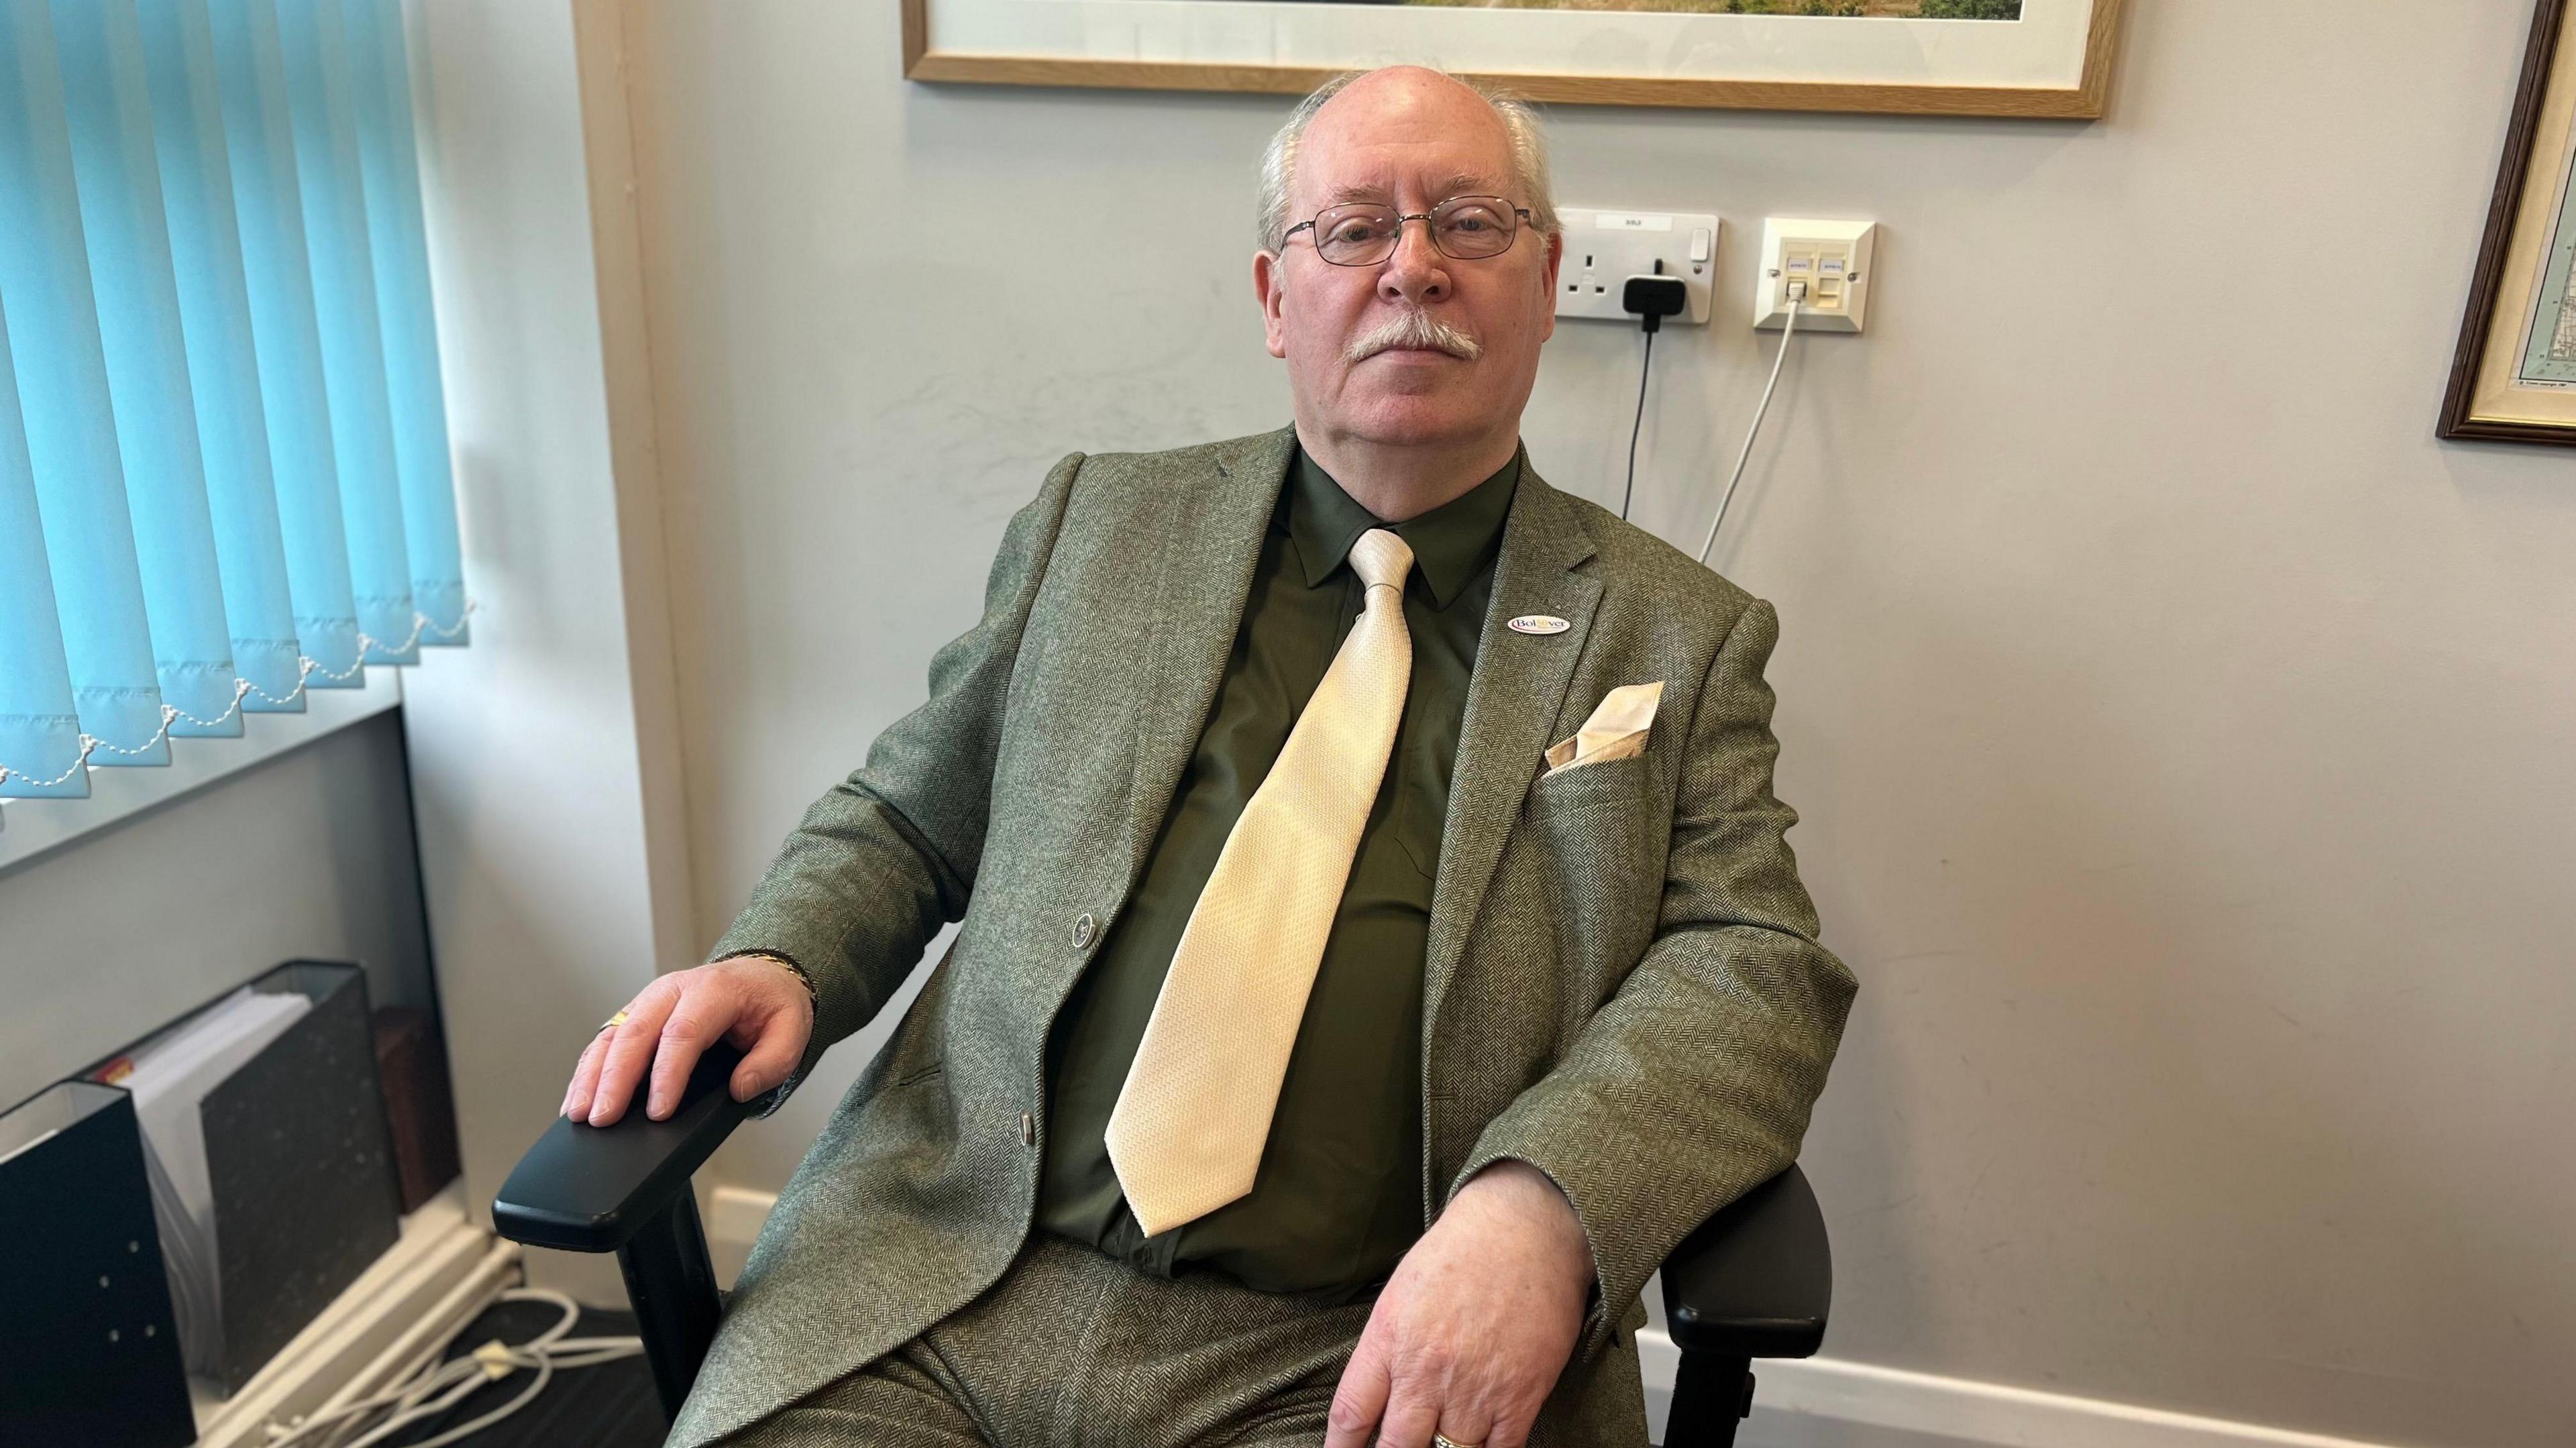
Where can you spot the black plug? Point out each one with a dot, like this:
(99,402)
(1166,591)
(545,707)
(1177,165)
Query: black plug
(1650,299)
(1653,298)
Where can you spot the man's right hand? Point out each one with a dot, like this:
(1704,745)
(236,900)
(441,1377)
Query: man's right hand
(758,1005)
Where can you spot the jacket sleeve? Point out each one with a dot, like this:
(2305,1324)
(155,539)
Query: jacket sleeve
(1693,1083)
(889,855)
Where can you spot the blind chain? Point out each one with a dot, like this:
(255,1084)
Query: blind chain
(305,668)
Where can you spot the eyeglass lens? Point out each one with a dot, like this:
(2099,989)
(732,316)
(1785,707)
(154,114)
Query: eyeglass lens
(1464,228)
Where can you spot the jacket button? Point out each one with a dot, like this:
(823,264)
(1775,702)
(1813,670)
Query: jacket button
(1083,928)
(1028,1129)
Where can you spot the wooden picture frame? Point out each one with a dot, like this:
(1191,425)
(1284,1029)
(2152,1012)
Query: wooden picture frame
(2082,99)
(2513,374)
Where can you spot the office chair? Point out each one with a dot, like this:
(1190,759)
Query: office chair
(1753,1281)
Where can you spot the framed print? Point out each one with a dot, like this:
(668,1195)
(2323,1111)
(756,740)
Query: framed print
(2045,58)
(2513,378)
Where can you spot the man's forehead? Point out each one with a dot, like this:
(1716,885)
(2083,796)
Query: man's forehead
(1390,132)
(1433,183)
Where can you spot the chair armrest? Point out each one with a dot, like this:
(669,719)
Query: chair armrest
(587,1188)
(1757,1279)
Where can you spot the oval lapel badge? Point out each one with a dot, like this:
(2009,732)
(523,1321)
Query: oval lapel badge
(1537,623)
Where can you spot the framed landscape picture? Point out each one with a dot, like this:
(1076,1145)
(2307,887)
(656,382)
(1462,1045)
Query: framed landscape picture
(2042,58)
(2513,377)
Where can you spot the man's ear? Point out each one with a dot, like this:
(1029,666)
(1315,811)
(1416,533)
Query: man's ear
(1269,282)
(1555,265)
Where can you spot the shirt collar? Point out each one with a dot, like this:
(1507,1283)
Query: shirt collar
(1450,544)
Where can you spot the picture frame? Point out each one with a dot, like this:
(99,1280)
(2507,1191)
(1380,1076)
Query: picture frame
(2513,373)
(2052,60)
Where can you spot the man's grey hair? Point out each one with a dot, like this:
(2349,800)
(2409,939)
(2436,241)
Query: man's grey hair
(1520,124)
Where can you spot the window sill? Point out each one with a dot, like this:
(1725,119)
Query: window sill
(33,827)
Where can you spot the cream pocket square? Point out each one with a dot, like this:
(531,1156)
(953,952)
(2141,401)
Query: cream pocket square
(1616,730)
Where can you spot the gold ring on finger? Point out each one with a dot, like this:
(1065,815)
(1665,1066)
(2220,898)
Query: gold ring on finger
(613,1022)
(1443,1440)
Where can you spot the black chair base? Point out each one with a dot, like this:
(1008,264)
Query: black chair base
(1712,1393)
(672,1287)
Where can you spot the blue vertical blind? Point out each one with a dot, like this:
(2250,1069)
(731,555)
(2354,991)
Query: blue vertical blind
(224,471)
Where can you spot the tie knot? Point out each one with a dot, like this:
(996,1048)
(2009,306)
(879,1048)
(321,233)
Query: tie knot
(1381,557)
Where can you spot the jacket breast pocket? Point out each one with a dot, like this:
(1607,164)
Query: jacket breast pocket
(1603,840)
(1587,786)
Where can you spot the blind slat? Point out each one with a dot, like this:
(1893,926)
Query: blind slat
(63,402)
(223,366)
(39,733)
(389,164)
(268,205)
(324,116)
(114,163)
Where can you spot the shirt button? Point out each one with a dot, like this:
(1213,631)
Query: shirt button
(1083,928)
(1028,1129)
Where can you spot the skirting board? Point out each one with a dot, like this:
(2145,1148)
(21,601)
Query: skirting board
(1877,1407)
(1819,1401)
(734,1219)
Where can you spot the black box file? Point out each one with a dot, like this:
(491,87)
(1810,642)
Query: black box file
(89,1349)
(302,1168)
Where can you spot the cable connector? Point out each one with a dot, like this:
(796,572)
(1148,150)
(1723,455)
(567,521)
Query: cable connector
(1653,298)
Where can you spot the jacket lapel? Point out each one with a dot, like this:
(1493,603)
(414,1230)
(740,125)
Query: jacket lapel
(1199,602)
(1513,701)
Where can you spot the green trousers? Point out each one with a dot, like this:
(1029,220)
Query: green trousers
(1071,1348)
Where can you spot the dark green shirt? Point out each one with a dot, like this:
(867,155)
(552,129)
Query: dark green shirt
(1339,1195)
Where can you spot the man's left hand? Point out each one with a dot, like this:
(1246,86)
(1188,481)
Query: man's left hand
(1471,1331)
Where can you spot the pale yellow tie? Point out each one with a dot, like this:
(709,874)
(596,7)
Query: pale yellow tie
(1187,1132)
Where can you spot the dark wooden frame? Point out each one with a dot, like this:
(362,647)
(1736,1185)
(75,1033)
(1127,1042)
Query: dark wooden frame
(2084,100)
(2521,134)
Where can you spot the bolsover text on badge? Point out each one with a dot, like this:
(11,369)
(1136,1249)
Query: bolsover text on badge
(1537,623)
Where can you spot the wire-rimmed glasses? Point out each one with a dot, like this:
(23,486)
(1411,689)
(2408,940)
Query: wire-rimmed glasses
(1364,233)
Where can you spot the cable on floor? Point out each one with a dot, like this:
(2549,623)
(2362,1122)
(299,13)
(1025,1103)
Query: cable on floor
(432,1384)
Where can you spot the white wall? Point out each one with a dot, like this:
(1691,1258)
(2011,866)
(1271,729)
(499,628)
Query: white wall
(304,856)
(529,748)
(2182,732)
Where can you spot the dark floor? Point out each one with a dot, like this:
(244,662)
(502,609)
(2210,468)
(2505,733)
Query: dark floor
(608,1406)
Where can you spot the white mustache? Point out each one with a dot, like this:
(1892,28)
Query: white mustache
(1413,329)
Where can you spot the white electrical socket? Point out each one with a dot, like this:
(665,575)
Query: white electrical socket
(1831,257)
(1605,248)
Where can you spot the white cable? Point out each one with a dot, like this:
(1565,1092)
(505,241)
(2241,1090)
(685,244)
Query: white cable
(1788,329)
(431,1385)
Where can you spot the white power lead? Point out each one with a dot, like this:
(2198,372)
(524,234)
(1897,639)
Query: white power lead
(1788,329)
(431,1386)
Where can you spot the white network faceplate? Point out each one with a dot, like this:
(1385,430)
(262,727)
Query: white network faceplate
(1835,260)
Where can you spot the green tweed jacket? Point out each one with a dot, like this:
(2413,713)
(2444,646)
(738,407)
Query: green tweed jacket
(1622,986)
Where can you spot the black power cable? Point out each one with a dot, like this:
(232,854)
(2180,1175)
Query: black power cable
(1639,426)
(1651,298)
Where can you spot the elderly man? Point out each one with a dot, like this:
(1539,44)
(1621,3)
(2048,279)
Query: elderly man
(1379,945)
